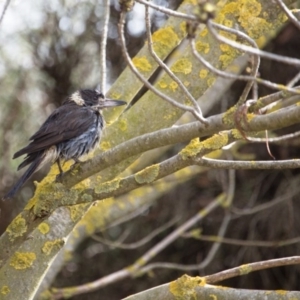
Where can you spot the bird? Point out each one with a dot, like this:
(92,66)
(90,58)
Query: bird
(71,131)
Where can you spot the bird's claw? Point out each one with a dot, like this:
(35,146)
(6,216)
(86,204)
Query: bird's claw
(59,176)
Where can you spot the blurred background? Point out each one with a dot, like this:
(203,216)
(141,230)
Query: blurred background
(51,48)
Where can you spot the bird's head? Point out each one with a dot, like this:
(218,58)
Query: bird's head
(94,99)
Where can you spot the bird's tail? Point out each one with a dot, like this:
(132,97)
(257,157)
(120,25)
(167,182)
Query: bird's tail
(35,165)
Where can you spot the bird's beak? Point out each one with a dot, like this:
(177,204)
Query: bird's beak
(111,103)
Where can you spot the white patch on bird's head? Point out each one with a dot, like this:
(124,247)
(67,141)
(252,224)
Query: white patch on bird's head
(76,97)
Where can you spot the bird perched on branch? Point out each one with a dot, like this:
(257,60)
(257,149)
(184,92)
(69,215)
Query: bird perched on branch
(71,131)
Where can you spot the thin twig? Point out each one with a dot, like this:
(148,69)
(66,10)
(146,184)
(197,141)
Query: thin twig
(255,62)
(275,139)
(237,242)
(284,117)
(4,10)
(238,77)
(249,165)
(216,246)
(294,80)
(168,11)
(249,268)
(289,14)
(165,67)
(284,102)
(176,234)
(106,6)
(284,59)
(141,242)
(145,82)
(136,267)
(269,99)
(222,230)
(259,208)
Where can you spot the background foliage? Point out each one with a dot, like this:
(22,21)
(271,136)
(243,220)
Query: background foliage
(51,49)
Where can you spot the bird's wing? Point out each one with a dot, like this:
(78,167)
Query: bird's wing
(65,123)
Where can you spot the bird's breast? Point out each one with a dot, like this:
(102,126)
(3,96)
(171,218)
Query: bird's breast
(83,143)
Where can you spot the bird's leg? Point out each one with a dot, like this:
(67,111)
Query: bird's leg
(61,172)
(77,161)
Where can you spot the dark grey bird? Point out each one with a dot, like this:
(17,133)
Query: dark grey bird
(71,131)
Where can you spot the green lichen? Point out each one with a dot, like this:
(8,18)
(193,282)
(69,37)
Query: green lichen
(115,95)
(249,15)
(5,290)
(182,27)
(86,198)
(54,245)
(210,81)
(283,293)
(191,150)
(17,228)
(202,47)
(44,228)
(217,141)
(83,185)
(245,269)
(164,40)
(182,66)
(224,47)
(194,2)
(228,23)
(185,287)
(203,73)
(69,198)
(162,84)
(66,294)
(142,63)
(147,175)
(108,187)
(236,134)
(45,295)
(51,195)
(105,145)
(76,211)
(228,55)
(228,117)
(204,32)
(22,260)
(173,86)
(123,125)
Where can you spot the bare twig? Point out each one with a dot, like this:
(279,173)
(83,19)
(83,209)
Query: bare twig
(249,268)
(167,11)
(144,81)
(4,10)
(239,77)
(294,80)
(137,266)
(216,246)
(284,59)
(163,137)
(140,243)
(250,165)
(263,102)
(275,139)
(255,61)
(289,14)
(165,67)
(236,242)
(106,7)
(258,208)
